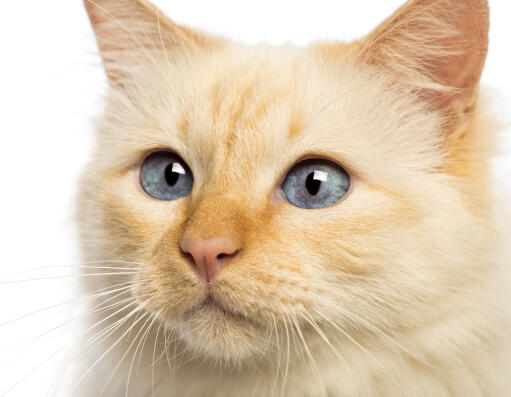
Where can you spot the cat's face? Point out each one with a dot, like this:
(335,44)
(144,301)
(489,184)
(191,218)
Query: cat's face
(392,246)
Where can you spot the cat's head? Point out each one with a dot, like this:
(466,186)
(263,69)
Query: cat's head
(334,188)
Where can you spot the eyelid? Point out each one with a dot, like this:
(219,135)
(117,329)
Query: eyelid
(146,153)
(282,177)
(143,155)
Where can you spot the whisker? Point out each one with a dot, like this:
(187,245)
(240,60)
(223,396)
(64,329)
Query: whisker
(347,335)
(114,371)
(87,313)
(306,347)
(38,366)
(34,369)
(103,335)
(86,265)
(141,343)
(67,277)
(95,337)
(157,317)
(154,355)
(383,334)
(134,353)
(110,348)
(322,335)
(76,300)
(288,349)
(278,354)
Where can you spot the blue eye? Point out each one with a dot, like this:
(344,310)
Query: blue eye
(165,176)
(315,183)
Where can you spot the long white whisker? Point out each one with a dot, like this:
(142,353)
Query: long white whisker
(322,335)
(69,276)
(307,350)
(114,371)
(134,353)
(110,348)
(103,335)
(76,300)
(141,343)
(95,309)
(279,353)
(97,338)
(288,349)
(35,369)
(84,266)
(384,335)
(38,366)
(119,363)
(347,335)
(144,339)
(154,355)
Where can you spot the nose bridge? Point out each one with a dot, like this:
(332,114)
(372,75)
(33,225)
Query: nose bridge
(217,215)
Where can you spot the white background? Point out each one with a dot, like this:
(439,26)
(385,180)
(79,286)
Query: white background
(51,86)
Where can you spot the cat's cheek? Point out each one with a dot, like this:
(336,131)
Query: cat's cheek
(166,290)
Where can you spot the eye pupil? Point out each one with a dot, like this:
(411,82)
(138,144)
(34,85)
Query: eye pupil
(313,185)
(171,176)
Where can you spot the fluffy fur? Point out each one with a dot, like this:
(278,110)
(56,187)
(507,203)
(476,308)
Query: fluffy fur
(399,289)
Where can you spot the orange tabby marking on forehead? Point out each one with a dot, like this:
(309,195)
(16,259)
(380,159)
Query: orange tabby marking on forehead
(240,106)
(184,123)
(296,122)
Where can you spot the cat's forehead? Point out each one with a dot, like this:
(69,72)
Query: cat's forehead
(241,113)
(246,107)
(245,110)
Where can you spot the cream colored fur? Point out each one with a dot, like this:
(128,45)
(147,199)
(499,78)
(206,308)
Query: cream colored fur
(397,290)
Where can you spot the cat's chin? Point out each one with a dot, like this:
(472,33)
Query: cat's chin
(221,334)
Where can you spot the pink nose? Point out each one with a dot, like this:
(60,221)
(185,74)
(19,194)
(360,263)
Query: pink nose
(209,254)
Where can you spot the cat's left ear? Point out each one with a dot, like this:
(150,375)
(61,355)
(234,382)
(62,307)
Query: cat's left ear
(130,32)
(438,47)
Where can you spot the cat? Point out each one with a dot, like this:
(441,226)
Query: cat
(281,221)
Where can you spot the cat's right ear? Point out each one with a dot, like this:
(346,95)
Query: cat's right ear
(129,32)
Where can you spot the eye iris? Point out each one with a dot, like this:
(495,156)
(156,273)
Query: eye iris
(315,183)
(312,184)
(165,176)
(171,176)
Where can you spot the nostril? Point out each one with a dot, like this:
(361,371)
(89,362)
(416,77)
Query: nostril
(189,256)
(223,255)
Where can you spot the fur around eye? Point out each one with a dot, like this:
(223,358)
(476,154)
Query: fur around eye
(315,183)
(165,176)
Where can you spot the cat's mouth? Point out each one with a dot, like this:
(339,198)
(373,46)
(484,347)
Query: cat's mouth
(218,330)
(212,308)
